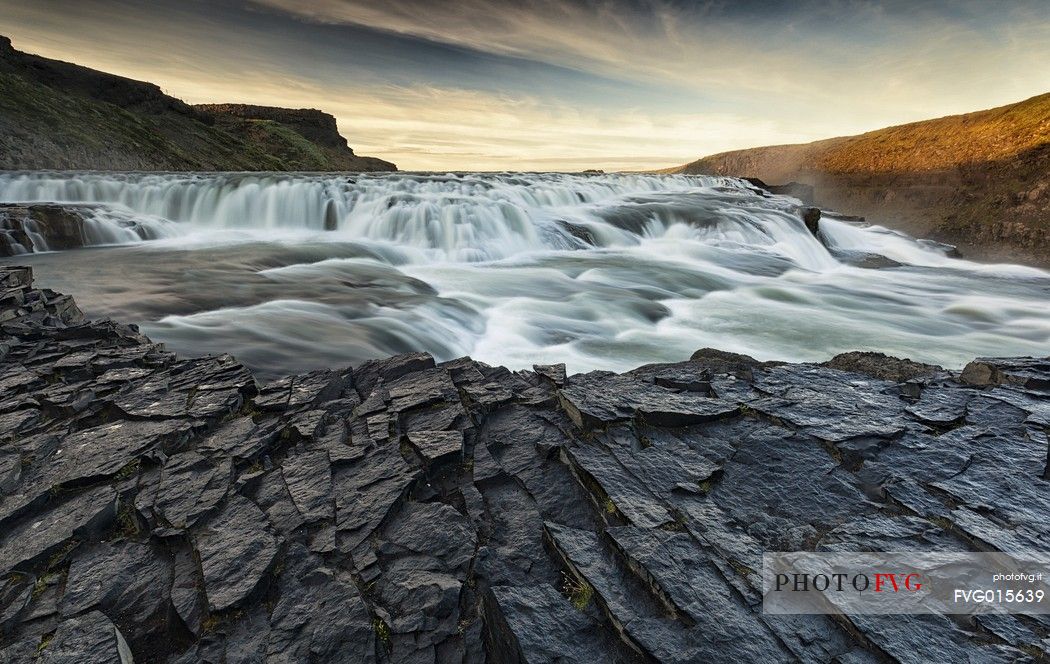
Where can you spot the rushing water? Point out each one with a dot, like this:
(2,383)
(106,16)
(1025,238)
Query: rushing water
(290,272)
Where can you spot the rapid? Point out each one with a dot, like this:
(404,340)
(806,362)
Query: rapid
(290,272)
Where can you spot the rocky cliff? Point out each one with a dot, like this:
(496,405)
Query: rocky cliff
(58,115)
(980,181)
(269,126)
(157,508)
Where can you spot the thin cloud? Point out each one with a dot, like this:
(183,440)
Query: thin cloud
(553,83)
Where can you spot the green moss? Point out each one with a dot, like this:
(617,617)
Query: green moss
(127,521)
(382,631)
(740,568)
(59,557)
(43,582)
(214,621)
(209,624)
(129,470)
(941,522)
(581,593)
(45,641)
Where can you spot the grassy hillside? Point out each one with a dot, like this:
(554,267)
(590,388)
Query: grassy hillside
(56,115)
(979,180)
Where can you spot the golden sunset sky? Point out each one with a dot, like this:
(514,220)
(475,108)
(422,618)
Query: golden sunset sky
(560,85)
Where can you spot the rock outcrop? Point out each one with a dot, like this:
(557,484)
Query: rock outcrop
(803,192)
(315,126)
(31,227)
(172,510)
(28,228)
(58,115)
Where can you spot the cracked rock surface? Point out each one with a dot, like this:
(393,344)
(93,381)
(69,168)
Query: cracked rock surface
(158,509)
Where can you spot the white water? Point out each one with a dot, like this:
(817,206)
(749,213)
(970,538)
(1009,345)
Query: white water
(611,271)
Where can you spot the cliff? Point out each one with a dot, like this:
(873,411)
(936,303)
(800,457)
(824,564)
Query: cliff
(58,115)
(166,509)
(980,181)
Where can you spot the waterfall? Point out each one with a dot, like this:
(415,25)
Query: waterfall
(459,217)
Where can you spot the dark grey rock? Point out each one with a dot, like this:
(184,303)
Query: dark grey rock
(191,487)
(308,477)
(366,492)
(303,390)
(35,537)
(536,624)
(372,372)
(828,404)
(270,492)
(596,399)
(940,406)
(617,489)
(555,373)
(319,617)
(186,590)
(236,552)
(921,639)
(868,261)
(241,439)
(421,389)
(90,637)
(425,555)
(487,397)
(127,580)
(437,446)
(16,592)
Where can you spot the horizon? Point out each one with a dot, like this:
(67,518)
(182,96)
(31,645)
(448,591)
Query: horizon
(551,85)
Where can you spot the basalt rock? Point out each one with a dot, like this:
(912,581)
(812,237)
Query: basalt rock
(52,227)
(171,510)
(811,217)
(803,192)
(882,366)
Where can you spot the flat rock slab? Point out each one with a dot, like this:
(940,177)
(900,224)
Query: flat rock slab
(437,446)
(236,551)
(80,515)
(87,638)
(540,625)
(308,476)
(597,399)
(191,487)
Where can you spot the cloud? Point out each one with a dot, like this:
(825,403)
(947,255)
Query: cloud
(431,128)
(535,84)
(916,56)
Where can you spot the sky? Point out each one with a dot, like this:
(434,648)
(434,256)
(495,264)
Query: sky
(563,84)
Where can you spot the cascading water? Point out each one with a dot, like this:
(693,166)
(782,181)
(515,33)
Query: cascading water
(290,272)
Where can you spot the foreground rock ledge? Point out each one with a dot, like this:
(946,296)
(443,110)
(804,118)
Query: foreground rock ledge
(162,509)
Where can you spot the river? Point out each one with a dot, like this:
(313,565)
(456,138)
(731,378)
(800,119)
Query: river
(290,272)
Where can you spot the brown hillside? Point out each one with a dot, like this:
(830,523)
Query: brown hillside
(979,180)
